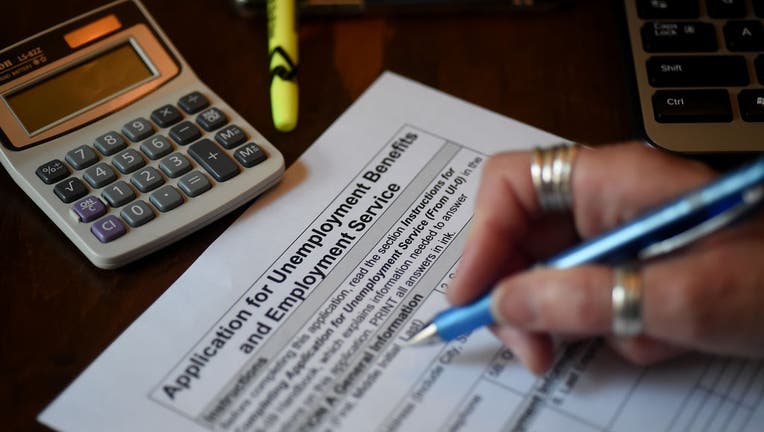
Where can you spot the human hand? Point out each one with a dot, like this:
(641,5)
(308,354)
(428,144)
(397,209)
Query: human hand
(705,297)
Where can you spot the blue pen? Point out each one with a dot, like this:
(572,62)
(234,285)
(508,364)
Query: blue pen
(657,232)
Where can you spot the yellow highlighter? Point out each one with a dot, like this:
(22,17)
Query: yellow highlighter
(282,49)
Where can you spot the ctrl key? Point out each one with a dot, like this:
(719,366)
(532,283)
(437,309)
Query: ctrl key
(692,106)
(108,229)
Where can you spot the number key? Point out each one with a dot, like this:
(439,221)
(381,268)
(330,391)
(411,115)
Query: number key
(156,147)
(175,165)
(128,161)
(137,213)
(109,143)
(118,194)
(99,175)
(81,157)
(138,129)
(147,179)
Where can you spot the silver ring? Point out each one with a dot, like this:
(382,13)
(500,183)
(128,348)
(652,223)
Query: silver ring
(627,302)
(551,170)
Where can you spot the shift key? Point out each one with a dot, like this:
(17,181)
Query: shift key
(692,106)
(213,159)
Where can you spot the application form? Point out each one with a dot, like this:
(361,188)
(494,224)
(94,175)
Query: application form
(296,317)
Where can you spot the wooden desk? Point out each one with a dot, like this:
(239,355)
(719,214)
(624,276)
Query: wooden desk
(559,71)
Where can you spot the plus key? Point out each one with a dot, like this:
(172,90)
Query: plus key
(213,159)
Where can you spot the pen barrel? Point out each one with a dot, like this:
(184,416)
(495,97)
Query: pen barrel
(283,63)
(459,321)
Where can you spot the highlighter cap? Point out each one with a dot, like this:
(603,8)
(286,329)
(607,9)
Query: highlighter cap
(284,104)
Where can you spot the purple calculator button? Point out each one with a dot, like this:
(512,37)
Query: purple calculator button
(89,208)
(108,228)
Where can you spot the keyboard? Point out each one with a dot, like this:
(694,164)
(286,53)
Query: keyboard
(699,72)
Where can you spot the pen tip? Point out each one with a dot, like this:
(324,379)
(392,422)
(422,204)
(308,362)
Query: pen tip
(427,336)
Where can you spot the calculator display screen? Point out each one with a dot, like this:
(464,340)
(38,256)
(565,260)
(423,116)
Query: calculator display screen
(79,87)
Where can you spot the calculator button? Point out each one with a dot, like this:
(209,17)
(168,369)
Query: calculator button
(194,183)
(89,209)
(108,228)
(166,198)
(110,143)
(128,161)
(211,119)
(156,147)
(81,157)
(147,179)
(684,106)
(53,171)
(118,194)
(138,129)
(193,102)
(137,213)
(99,175)
(230,137)
(250,155)
(214,160)
(185,133)
(166,116)
(175,165)
(751,105)
(70,189)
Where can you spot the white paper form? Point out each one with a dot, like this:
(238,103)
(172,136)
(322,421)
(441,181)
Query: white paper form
(294,319)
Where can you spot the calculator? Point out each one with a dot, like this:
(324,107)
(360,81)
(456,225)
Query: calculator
(110,132)
(699,69)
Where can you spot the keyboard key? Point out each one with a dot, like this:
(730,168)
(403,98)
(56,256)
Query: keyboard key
(53,171)
(175,165)
(667,9)
(211,119)
(679,37)
(108,229)
(99,175)
(118,194)
(751,105)
(128,161)
(250,155)
(193,102)
(697,71)
(185,133)
(166,198)
(70,189)
(214,160)
(759,66)
(230,136)
(725,8)
(147,179)
(156,147)
(81,157)
(166,116)
(744,35)
(685,106)
(89,209)
(110,143)
(138,129)
(194,183)
(758,7)
(137,213)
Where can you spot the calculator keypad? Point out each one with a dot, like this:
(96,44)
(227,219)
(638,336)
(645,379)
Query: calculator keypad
(118,172)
